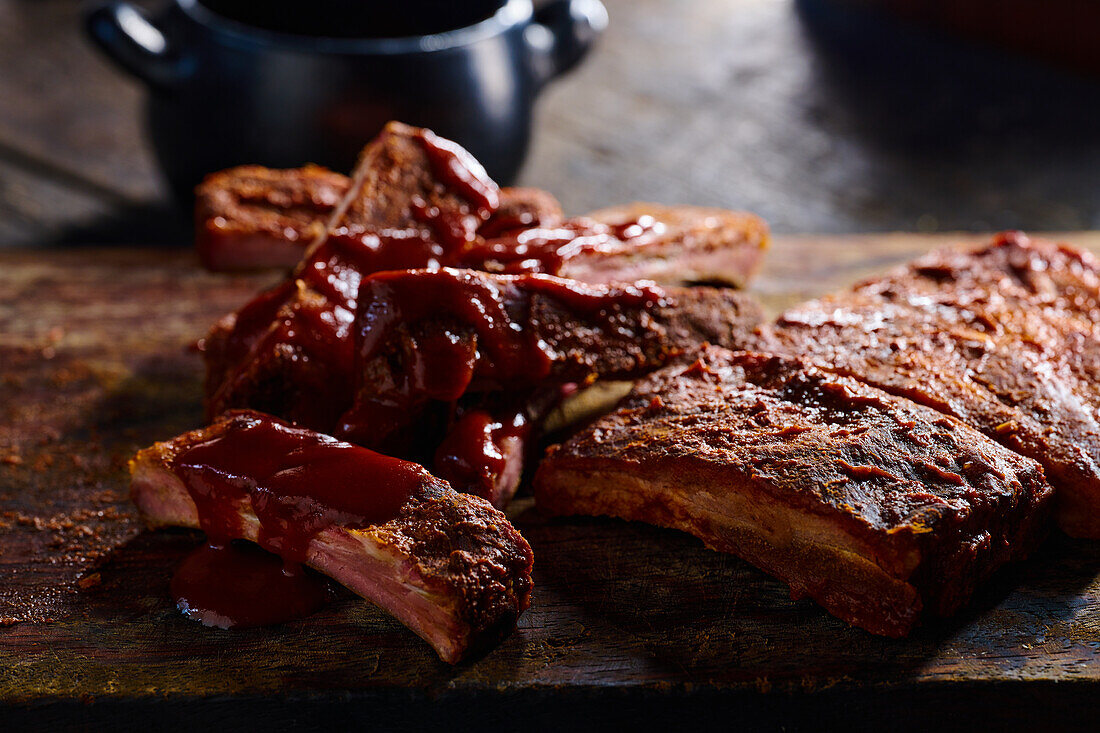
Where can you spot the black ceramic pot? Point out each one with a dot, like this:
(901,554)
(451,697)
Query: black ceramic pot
(223,93)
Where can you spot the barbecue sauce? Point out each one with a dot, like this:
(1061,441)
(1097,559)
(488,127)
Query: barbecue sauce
(474,453)
(297,483)
(459,171)
(242,585)
(290,351)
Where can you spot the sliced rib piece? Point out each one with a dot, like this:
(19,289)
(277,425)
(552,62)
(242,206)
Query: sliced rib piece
(1004,338)
(251,217)
(876,507)
(430,339)
(411,181)
(502,332)
(666,244)
(673,245)
(447,565)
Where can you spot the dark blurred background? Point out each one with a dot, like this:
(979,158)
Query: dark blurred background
(820,117)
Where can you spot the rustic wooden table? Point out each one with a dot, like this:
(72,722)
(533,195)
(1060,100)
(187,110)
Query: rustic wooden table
(738,103)
(628,622)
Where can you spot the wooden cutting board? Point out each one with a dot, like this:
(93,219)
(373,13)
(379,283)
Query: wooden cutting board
(628,622)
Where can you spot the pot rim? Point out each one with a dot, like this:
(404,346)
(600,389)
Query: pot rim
(509,15)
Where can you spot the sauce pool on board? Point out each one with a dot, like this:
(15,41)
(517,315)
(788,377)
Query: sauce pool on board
(297,483)
(242,585)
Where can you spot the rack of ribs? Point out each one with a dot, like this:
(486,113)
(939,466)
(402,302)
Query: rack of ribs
(878,508)
(418,201)
(1005,338)
(446,564)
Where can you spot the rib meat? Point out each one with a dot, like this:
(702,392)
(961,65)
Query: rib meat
(673,245)
(876,507)
(447,565)
(431,340)
(252,217)
(1004,337)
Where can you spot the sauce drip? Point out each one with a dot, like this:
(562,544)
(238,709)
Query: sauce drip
(239,586)
(311,316)
(461,172)
(298,483)
(474,452)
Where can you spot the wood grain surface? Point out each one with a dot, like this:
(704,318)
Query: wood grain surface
(628,622)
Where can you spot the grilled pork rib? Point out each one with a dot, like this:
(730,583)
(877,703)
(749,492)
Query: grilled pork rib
(876,507)
(251,217)
(431,340)
(1006,338)
(447,565)
(674,245)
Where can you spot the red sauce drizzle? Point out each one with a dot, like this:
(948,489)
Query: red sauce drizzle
(313,313)
(459,170)
(297,483)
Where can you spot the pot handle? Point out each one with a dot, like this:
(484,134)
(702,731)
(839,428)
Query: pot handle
(563,32)
(126,35)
